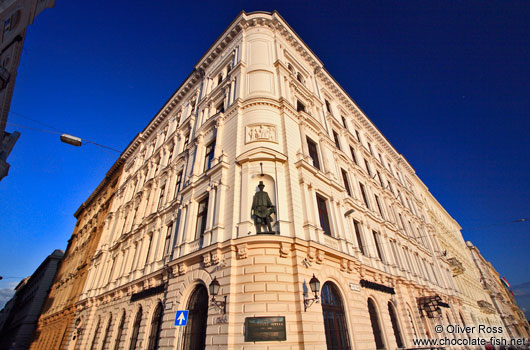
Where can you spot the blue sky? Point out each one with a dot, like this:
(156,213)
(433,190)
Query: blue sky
(448,84)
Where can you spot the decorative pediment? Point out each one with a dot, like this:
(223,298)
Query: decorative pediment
(261,154)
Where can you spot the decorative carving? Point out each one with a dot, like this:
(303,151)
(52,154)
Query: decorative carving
(206,260)
(261,132)
(343,264)
(311,253)
(216,256)
(320,256)
(182,269)
(285,249)
(351,266)
(242,251)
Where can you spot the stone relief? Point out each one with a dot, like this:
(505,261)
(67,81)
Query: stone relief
(261,132)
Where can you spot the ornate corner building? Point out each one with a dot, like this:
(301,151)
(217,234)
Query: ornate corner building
(359,254)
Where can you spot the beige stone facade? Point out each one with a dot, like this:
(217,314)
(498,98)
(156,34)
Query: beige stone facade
(57,315)
(512,316)
(260,107)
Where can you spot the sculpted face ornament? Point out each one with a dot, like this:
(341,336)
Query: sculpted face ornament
(262,209)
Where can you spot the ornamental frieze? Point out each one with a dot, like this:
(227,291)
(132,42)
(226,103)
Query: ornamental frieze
(261,132)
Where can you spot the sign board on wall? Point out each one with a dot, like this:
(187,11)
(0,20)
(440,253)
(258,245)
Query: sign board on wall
(265,328)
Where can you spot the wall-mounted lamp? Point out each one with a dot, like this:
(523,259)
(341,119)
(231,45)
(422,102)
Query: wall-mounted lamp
(214,290)
(314,284)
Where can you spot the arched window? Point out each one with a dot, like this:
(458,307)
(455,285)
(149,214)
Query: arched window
(120,331)
(300,78)
(195,331)
(96,334)
(376,325)
(395,325)
(107,330)
(136,329)
(156,324)
(334,319)
(411,320)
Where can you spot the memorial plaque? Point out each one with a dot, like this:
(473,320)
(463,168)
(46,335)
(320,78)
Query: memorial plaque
(265,328)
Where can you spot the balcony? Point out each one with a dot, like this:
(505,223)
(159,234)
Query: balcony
(456,266)
(486,307)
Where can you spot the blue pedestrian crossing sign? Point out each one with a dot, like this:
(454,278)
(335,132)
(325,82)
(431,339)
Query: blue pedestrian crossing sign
(182,318)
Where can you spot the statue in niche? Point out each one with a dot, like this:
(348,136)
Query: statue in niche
(262,209)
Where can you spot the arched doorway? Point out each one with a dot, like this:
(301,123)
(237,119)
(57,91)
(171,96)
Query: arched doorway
(395,324)
(156,325)
(195,331)
(376,325)
(337,337)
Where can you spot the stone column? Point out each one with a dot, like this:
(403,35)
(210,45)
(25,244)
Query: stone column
(305,149)
(218,139)
(199,152)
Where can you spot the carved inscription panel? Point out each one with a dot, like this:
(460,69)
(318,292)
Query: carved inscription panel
(261,132)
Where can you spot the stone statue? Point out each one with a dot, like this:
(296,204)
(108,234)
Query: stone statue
(262,209)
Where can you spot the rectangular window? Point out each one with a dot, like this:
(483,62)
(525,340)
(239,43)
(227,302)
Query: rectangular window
(346,183)
(220,108)
(367,167)
(378,245)
(357,226)
(313,153)
(380,179)
(336,139)
(401,198)
(363,193)
(403,223)
(379,206)
(344,121)
(407,259)
(434,274)
(396,254)
(161,198)
(358,135)
(300,106)
(420,271)
(208,157)
(148,249)
(177,185)
(323,215)
(370,148)
(167,248)
(353,155)
(202,213)
(186,140)
(427,272)
(328,106)
(170,156)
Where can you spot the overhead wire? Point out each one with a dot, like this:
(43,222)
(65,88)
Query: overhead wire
(57,132)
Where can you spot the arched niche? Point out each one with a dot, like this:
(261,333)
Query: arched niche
(270,188)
